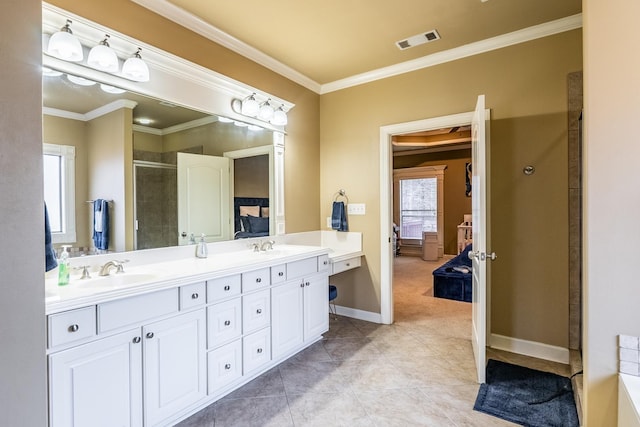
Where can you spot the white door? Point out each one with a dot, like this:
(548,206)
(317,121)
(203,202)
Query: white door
(175,372)
(479,255)
(203,197)
(97,384)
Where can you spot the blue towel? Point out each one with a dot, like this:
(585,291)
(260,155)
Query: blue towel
(101,224)
(49,254)
(339,217)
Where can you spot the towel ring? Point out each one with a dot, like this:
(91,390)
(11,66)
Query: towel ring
(341,193)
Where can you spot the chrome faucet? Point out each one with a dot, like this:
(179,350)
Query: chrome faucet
(269,245)
(105,270)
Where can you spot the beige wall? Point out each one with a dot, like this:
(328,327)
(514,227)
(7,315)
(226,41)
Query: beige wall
(456,203)
(302,168)
(611,202)
(61,131)
(525,87)
(147,142)
(23,368)
(217,138)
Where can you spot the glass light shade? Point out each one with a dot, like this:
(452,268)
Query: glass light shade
(65,45)
(279,117)
(48,72)
(250,106)
(102,57)
(80,80)
(266,111)
(240,124)
(223,119)
(111,89)
(254,128)
(135,68)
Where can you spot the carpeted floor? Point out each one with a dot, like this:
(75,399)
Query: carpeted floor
(527,396)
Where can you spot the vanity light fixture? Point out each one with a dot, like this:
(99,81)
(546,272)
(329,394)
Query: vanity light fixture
(102,57)
(279,117)
(135,68)
(48,72)
(240,124)
(250,106)
(65,45)
(266,111)
(111,89)
(80,80)
(254,128)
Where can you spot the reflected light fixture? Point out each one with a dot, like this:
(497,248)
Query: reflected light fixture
(65,45)
(266,111)
(80,80)
(144,121)
(254,128)
(279,117)
(223,119)
(250,106)
(111,89)
(48,72)
(240,124)
(135,68)
(102,57)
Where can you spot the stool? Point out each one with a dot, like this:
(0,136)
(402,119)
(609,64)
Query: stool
(333,294)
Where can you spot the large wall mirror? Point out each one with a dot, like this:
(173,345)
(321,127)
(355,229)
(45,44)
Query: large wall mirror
(134,145)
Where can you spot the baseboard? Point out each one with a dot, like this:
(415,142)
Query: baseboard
(359,314)
(530,348)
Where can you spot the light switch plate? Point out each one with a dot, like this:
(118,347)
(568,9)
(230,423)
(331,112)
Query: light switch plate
(328,222)
(356,209)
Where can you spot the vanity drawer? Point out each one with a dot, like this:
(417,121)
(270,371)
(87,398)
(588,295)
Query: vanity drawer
(323,263)
(256,350)
(222,288)
(193,295)
(70,326)
(224,322)
(347,264)
(136,309)
(278,274)
(224,366)
(256,279)
(302,268)
(256,311)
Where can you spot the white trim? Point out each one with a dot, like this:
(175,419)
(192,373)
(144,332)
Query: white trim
(189,125)
(48,111)
(199,26)
(527,34)
(386,205)
(147,129)
(67,154)
(110,108)
(530,348)
(354,313)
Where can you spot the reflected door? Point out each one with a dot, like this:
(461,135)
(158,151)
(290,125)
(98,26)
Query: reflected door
(203,198)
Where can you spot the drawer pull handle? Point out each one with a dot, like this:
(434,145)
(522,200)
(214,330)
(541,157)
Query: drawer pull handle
(136,340)
(149,335)
(258,280)
(194,295)
(227,288)
(280,273)
(227,366)
(227,322)
(259,351)
(73,328)
(348,265)
(326,262)
(259,311)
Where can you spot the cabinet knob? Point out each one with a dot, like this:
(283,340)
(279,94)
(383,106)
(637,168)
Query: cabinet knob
(302,285)
(306,283)
(348,265)
(136,340)
(149,334)
(258,279)
(280,273)
(227,322)
(325,262)
(259,311)
(194,295)
(73,328)
(259,351)
(227,366)
(227,288)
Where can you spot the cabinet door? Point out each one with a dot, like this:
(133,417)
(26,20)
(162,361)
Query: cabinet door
(224,322)
(316,306)
(174,365)
(286,318)
(97,384)
(256,350)
(256,311)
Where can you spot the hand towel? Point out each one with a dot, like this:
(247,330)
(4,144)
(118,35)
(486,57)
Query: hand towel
(101,222)
(339,217)
(49,254)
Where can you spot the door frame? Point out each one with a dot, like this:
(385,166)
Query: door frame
(386,200)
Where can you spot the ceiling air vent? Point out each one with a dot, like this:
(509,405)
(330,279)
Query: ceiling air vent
(418,39)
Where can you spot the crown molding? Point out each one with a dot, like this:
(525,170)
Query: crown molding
(199,26)
(48,111)
(527,34)
(93,114)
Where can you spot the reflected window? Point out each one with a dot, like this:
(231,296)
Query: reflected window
(59,191)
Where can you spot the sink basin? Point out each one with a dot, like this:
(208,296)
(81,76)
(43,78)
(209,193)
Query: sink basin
(117,280)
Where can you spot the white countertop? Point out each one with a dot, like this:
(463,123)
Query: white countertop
(155,269)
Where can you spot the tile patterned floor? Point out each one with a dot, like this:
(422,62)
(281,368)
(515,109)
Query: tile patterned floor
(417,372)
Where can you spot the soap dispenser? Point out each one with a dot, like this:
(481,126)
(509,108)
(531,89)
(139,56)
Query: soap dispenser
(63,267)
(201,248)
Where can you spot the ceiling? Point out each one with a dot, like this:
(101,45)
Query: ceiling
(330,40)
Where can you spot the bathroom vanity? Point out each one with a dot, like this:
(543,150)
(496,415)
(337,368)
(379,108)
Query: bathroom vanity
(168,337)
